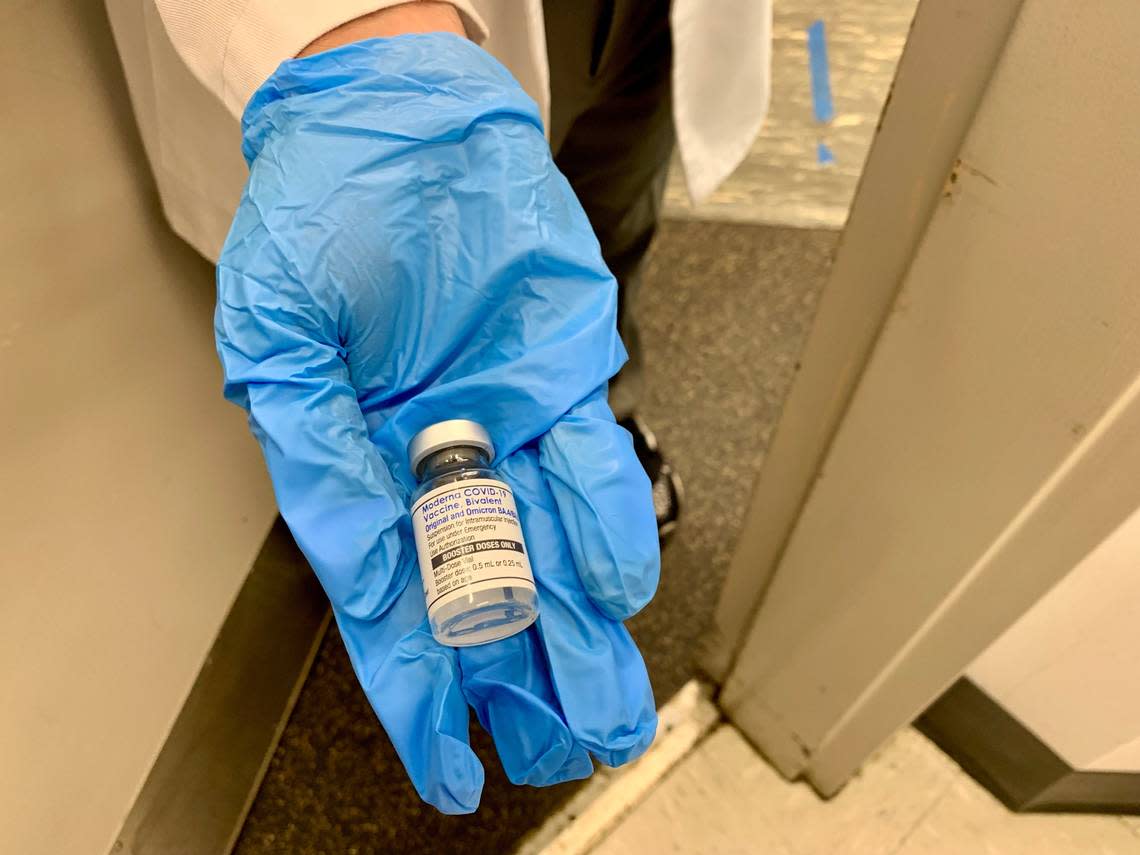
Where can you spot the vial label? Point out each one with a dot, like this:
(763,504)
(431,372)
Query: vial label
(469,539)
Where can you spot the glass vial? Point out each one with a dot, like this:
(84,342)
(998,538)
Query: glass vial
(477,578)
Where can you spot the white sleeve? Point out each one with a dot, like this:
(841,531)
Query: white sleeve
(233,46)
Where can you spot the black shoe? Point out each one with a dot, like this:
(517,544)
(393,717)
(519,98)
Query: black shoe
(667,491)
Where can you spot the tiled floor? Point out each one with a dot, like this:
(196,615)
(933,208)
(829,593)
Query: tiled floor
(910,799)
(782,182)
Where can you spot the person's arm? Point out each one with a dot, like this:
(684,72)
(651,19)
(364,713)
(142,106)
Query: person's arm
(233,46)
(423,16)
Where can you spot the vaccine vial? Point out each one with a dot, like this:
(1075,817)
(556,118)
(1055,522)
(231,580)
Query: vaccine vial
(476,572)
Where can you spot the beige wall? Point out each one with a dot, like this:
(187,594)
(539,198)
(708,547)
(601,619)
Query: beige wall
(1070,668)
(132,499)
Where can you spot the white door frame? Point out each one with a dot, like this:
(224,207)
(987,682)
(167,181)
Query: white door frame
(953,448)
(943,72)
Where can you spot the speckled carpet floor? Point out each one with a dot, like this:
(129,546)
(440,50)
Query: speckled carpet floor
(723,313)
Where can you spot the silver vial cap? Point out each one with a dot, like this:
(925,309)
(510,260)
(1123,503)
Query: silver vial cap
(448,434)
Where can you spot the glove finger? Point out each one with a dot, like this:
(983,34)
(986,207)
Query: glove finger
(413,683)
(508,684)
(283,364)
(595,668)
(605,502)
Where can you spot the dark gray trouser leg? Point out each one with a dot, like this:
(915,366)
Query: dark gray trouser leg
(612,136)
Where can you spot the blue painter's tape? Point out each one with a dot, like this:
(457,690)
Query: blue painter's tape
(824,154)
(820,76)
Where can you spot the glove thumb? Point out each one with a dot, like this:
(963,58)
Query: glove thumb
(606,504)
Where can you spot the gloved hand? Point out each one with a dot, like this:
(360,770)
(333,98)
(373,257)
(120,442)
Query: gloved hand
(406,252)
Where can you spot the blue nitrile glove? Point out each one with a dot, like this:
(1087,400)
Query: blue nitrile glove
(406,252)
